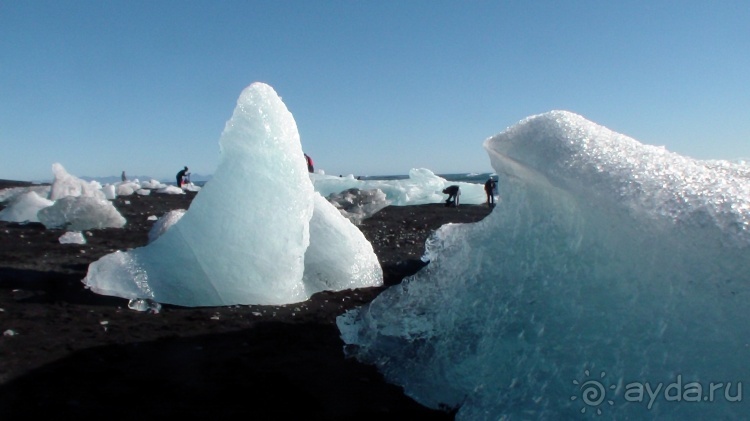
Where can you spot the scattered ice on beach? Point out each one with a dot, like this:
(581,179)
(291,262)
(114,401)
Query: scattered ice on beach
(72,237)
(422,187)
(76,203)
(258,233)
(355,199)
(605,255)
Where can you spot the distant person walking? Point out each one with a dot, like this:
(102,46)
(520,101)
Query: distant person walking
(181,177)
(489,189)
(453,193)
(310,167)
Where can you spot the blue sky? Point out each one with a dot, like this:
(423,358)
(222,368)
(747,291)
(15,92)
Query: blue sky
(376,87)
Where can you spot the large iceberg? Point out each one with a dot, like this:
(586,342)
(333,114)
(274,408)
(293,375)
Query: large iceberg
(257,233)
(613,279)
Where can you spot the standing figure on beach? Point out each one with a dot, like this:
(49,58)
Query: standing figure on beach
(181,176)
(453,193)
(489,189)
(124,177)
(310,167)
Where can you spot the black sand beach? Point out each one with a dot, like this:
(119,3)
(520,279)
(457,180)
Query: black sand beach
(67,352)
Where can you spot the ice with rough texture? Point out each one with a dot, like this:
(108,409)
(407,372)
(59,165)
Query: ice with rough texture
(339,256)
(10,194)
(245,237)
(68,185)
(608,264)
(127,188)
(152,184)
(326,268)
(81,213)
(357,205)
(24,207)
(72,237)
(164,223)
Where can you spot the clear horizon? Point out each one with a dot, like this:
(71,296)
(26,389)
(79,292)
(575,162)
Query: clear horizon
(376,88)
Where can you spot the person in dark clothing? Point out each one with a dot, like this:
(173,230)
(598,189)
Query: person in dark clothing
(181,177)
(310,167)
(489,189)
(453,193)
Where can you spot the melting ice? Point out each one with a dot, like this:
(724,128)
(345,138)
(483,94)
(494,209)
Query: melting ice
(257,233)
(608,263)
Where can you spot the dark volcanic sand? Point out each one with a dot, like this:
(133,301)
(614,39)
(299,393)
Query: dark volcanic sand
(76,353)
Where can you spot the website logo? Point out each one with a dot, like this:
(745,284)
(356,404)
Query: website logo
(593,393)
